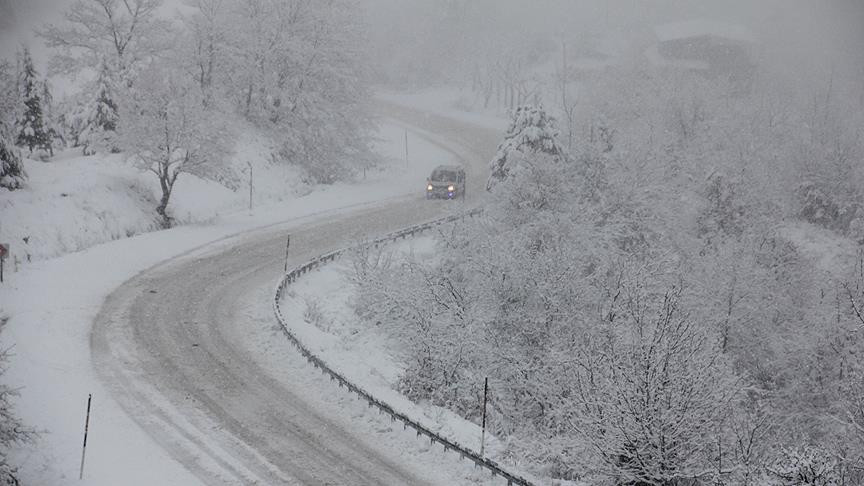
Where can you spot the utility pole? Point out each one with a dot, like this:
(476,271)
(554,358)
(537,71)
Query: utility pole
(483,433)
(250,185)
(406,148)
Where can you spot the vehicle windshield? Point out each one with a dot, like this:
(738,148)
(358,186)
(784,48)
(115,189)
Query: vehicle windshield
(443,176)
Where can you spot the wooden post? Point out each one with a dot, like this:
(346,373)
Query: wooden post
(86,427)
(483,433)
(4,252)
(250,185)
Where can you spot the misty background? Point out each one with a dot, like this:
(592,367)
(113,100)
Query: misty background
(416,43)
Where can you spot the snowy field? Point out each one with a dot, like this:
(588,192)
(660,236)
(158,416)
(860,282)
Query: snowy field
(52,302)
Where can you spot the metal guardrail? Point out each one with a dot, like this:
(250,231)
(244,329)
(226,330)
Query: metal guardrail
(334,375)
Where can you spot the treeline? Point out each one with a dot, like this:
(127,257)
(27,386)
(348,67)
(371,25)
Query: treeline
(642,297)
(295,70)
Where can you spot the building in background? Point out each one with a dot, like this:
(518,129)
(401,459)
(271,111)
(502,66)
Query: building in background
(714,49)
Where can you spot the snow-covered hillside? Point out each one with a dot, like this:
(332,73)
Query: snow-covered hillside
(72,202)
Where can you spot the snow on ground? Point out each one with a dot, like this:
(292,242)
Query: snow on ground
(72,202)
(833,254)
(52,303)
(452,103)
(319,309)
(368,362)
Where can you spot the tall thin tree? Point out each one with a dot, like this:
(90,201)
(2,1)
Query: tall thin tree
(31,124)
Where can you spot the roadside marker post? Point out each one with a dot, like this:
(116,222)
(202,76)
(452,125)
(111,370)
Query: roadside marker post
(250,185)
(86,427)
(4,252)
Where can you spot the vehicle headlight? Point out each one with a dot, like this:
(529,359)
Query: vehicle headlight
(451,188)
(429,187)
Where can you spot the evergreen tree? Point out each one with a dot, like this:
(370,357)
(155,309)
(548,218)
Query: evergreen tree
(101,122)
(48,115)
(12,175)
(31,125)
(532,132)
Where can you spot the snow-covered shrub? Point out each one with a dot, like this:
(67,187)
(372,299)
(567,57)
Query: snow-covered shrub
(12,173)
(820,207)
(723,214)
(810,466)
(313,314)
(12,430)
(370,265)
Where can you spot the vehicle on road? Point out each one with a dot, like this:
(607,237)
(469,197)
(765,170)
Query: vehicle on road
(446,182)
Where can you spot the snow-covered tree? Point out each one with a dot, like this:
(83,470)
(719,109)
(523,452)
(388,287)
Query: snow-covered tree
(126,33)
(12,430)
(166,130)
(298,70)
(531,132)
(208,44)
(652,392)
(50,116)
(101,120)
(32,131)
(806,466)
(12,173)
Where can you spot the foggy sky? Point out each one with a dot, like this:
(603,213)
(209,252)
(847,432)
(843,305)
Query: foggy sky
(800,38)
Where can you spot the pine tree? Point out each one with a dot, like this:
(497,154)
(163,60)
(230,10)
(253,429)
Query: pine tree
(31,125)
(532,131)
(12,175)
(101,123)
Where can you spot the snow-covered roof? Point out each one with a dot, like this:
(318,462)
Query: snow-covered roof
(697,28)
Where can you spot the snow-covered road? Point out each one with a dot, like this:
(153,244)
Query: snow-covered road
(170,346)
(164,343)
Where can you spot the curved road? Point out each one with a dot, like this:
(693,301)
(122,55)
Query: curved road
(165,345)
